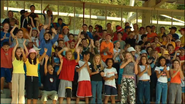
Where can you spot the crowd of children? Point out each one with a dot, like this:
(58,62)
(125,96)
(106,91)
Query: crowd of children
(139,66)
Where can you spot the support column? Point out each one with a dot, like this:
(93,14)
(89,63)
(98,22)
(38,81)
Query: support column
(83,12)
(2,8)
(146,15)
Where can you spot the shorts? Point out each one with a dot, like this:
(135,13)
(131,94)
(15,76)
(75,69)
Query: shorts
(110,91)
(51,94)
(65,88)
(6,73)
(183,89)
(32,87)
(84,89)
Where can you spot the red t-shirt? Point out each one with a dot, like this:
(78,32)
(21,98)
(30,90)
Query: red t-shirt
(6,58)
(68,70)
(182,57)
(151,36)
(123,37)
(176,48)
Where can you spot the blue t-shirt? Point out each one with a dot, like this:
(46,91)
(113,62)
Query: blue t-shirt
(6,39)
(50,82)
(90,35)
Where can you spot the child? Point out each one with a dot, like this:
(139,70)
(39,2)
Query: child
(6,65)
(138,50)
(116,52)
(67,74)
(122,43)
(175,91)
(5,34)
(162,73)
(183,84)
(128,79)
(130,39)
(34,33)
(18,78)
(96,79)
(84,84)
(32,80)
(144,73)
(110,74)
(97,45)
(50,82)
(19,36)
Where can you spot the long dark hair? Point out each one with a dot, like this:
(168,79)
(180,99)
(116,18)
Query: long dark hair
(34,60)
(174,61)
(18,58)
(140,62)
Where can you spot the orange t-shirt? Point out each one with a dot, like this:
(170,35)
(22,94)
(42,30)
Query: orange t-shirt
(176,79)
(151,36)
(6,58)
(104,45)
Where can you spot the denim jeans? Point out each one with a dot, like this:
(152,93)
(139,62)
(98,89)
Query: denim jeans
(143,91)
(96,90)
(161,89)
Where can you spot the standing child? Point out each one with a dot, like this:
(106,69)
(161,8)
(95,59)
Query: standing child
(144,73)
(32,80)
(96,79)
(84,84)
(18,78)
(50,83)
(5,34)
(162,73)
(67,74)
(128,79)
(110,74)
(175,91)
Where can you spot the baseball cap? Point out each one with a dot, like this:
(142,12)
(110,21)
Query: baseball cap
(143,52)
(131,49)
(119,29)
(34,28)
(182,29)
(127,27)
(173,28)
(22,11)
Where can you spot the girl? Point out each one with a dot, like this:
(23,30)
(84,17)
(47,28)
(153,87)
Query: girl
(19,36)
(175,90)
(183,84)
(128,81)
(96,79)
(144,73)
(110,74)
(162,73)
(138,50)
(18,78)
(116,52)
(65,33)
(32,81)
(34,33)
(97,45)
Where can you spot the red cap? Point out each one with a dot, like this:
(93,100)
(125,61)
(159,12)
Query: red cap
(182,29)
(119,29)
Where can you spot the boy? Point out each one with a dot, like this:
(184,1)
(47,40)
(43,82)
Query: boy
(5,34)
(50,82)
(84,84)
(67,74)
(6,65)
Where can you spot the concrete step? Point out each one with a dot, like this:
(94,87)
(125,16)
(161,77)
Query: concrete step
(8,101)
(3,96)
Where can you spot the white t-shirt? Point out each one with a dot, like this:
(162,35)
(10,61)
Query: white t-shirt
(145,76)
(35,40)
(83,75)
(163,78)
(109,73)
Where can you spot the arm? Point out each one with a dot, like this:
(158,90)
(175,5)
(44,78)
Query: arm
(45,9)
(78,55)
(172,75)
(181,74)
(30,30)
(158,74)
(32,24)
(43,55)
(69,21)
(45,65)
(56,36)
(41,35)
(135,68)
(96,72)
(88,68)
(13,52)
(60,68)
(110,51)
(3,37)
(11,32)
(141,73)
(79,40)
(124,64)
(78,70)
(24,56)
(25,48)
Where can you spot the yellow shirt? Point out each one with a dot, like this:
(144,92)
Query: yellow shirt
(183,41)
(18,66)
(32,70)
(160,37)
(73,50)
(173,43)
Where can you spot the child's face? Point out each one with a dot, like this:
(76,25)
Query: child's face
(90,29)
(6,27)
(148,45)
(56,52)
(86,57)
(61,43)
(182,52)
(32,9)
(176,64)
(71,37)
(178,43)
(156,39)
(97,59)
(50,69)
(109,63)
(18,52)
(69,55)
(119,36)
(97,43)
(60,21)
(12,23)
(117,45)
(6,47)
(84,43)
(30,44)
(20,34)
(170,49)
(66,30)
(34,33)
(47,36)
(32,55)
(131,35)
(145,38)
(82,36)
(143,60)
(104,33)
(107,38)
(164,38)
(162,62)
(137,49)
(128,56)
(72,45)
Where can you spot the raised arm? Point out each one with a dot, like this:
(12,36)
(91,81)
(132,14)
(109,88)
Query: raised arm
(69,21)
(79,40)
(32,24)
(41,35)
(15,47)
(30,30)
(45,9)
(25,48)
(78,55)
(55,37)
(43,55)
(60,52)
(45,65)
(11,32)
(24,56)
(60,68)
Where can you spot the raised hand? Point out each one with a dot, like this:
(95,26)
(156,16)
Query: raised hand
(53,30)
(78,50)
(45,50)
(24,42)
(65,48)
(22,50)
(46,57)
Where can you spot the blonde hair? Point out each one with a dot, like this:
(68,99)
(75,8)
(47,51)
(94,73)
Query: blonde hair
(94,63)
(125,59)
